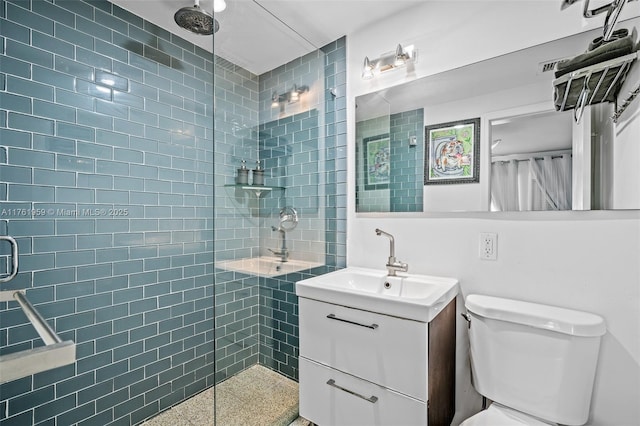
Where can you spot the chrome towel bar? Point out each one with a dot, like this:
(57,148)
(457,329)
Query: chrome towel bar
(55,353)
(46,333)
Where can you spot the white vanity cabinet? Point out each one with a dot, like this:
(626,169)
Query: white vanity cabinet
(364,368)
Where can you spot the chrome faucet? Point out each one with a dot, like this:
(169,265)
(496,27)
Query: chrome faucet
(393,265)
(284,251)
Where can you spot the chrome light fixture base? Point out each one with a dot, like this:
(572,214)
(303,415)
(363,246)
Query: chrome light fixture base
(389,61)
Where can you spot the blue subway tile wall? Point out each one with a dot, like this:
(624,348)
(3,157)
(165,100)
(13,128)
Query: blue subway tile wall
(376,199)
(323,143)
(404,192)
(106,170)
(238,138)
(293,156)
(407,161)
(289,142)
(297,165)
(236,294)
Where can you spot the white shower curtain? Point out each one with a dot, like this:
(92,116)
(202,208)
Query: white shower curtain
(534,183)
(504,186)
(553,176)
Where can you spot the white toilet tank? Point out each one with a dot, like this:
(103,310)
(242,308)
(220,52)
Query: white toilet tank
(534,358)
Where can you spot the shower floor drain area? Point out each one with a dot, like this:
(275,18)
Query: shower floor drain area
(255,397)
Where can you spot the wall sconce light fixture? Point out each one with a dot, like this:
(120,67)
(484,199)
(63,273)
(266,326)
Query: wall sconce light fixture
(401,57)
(292,96)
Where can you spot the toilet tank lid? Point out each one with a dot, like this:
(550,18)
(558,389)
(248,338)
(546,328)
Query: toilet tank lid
(561,320)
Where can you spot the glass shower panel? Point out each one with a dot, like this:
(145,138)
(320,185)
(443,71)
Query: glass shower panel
(106,181)
(272,229)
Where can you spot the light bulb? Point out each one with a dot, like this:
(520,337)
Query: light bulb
(295,96)
(401,57)
(367,69)
(219,5)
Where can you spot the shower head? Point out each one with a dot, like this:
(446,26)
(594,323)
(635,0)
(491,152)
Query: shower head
(196,20)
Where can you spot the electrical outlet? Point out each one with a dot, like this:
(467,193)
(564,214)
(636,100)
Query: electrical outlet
(488,246)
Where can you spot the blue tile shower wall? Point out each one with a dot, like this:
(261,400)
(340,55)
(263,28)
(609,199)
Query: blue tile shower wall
(407,161)
(106,164)
(291,152)
(236,294)
(404,192)
(244,100)
(335,75)
(279,338)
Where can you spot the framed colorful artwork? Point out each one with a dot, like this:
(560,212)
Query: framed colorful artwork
(377,156)
(452,152)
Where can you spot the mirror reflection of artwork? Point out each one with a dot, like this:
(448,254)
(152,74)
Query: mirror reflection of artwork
(377,162)
(453,152)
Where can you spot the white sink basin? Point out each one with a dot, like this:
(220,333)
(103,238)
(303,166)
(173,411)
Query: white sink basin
(416,297)
(264,266)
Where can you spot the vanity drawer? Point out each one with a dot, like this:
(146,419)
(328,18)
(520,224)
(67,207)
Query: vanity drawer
(332,398)
(385,350)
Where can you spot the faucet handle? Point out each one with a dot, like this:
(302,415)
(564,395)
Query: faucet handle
(394,266)
(400,266)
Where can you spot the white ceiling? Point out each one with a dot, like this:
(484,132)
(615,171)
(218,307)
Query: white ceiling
(532,133)
(260,35)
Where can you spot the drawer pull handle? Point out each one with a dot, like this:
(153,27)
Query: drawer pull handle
(372,399)
(333,317)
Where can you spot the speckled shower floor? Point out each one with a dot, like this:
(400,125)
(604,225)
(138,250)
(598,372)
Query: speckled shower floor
(255,397)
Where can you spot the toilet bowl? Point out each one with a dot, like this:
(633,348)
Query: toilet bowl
(537,363)
(499,415)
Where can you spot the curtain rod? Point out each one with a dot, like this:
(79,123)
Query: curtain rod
(530,155)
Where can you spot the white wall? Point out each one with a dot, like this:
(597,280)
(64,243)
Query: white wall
(581,260)
(626,193)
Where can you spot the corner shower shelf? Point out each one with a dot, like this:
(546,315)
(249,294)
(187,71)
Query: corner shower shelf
(257,189)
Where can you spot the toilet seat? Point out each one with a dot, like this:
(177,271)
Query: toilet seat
(499,415)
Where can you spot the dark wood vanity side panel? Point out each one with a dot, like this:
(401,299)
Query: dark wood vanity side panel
(442,367)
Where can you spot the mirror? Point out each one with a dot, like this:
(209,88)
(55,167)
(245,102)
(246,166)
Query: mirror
(522,162)
(524,142)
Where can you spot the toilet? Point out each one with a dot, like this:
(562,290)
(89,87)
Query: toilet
(537,363)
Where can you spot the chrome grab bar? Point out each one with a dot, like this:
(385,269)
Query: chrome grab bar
(14,258)
(333,317)
(372,399)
